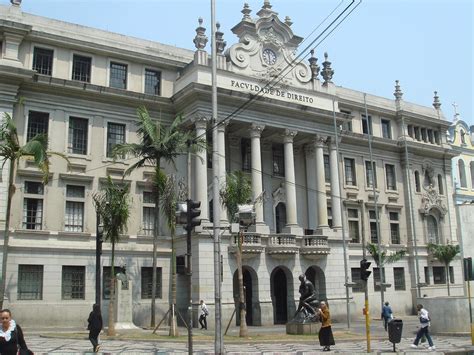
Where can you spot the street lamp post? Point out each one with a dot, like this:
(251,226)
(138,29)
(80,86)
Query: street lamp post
(98,253)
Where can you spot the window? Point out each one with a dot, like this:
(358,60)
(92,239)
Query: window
(353,219)
(30,282)
(366,124)
(386,129)
(246,154)
(33,205)
(451,274)
(74,216)
(118,75)
(152,82)
(370,174)
(147,273)
(280,217)
(394,228)
(148,213)
(355,276)
(77,141)
(439,275)
(278,160)
(373,227)
(377,281)
(43,60)
(424,137)
(427,275)
(463,137)
(462,173)
(350,173)
(115,135)
(430,136)
(440,184)
(81,68)
(410,130)
(436,137)
(417,133)
(73,285)
(329,217)
(106,271)
(432,230)
(348,124)
(37,124)
(327,169)
(399,277)
(417,182)
(390,175)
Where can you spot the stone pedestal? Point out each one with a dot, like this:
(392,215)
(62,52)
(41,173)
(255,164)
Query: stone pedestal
(303,328)
(123,305)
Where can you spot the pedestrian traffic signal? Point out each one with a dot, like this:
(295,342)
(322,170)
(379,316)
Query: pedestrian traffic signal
(468,271)
(192,213)
(364,272)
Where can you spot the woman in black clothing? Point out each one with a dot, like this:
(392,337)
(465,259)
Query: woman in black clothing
(12,341)
(95,326)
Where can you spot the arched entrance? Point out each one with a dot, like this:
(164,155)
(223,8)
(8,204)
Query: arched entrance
(280,289)
(316,275)
(252,305)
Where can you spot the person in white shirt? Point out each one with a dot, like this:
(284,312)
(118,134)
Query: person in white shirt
(424,328)
(203,315)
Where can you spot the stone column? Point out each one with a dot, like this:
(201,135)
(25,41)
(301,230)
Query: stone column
(257,183)
(311,184)
(321,182)
(222,166)
(335,186)
(290,187)
(200,169)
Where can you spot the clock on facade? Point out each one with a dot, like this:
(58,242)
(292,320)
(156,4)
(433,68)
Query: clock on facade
(269,56)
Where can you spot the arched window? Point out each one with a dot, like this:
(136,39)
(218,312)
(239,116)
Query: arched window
(463,137)
(462,173)
(433,236)
(280,217)
(426,181)
(417,181)
(472,174)
(440,185)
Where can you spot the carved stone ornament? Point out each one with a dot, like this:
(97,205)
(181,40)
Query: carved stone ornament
(256,130)
(427,168)
(289,135)
(279,195)
(200,40)
(327,71)
(220,43)
(431,200)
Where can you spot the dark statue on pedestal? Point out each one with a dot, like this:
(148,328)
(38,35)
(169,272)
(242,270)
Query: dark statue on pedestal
(307,308)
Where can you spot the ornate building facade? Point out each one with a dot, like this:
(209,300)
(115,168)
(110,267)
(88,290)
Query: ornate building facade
(82,86)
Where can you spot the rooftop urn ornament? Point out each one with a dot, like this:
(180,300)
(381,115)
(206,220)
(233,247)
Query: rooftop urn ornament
(246,11)
(288,21)
(200,40)
(220,43)
(313,65)
(436,102)
(398,92)
(327,71)
(16,2)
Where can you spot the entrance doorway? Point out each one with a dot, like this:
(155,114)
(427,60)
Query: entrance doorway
(279,296)
(316,275)
(250,295)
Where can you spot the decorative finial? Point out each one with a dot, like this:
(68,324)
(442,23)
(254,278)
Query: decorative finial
(266,4)
(220,43)
(200,40)
(398,92)
(16,2)
(288,21)
(327,71)
(456,114)
(314,67)
(436,102)
(246,11)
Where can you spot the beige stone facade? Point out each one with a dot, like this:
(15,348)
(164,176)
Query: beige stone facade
(82,86)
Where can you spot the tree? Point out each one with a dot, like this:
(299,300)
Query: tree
(113,207)
(445,254)
(157,143)
(173,192)
(11,151)
(237,191)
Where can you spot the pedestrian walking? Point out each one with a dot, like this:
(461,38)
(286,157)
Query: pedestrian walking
(95,326)
(424,328)
(326,338)
(12,341)
(387,314)
(203,315)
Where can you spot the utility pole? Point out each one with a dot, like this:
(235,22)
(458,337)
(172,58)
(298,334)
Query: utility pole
(98,252)
(366,291)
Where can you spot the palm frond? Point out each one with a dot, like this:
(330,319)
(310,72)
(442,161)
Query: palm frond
(444,253)
(237,191)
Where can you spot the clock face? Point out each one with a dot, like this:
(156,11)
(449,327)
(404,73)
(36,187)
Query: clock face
(269,56)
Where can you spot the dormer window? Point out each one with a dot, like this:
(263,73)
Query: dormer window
(463,137)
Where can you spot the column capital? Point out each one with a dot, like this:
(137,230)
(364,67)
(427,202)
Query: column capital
(221,126)
(320,141)
(332,142)
(289,135)
(200,121)
(256,130)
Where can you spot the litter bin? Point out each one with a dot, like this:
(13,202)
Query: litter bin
(395,327)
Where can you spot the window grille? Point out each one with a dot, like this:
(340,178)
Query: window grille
(366,124)
(37,124)
(373,227)
(353,219)
(370,174)
(399,278)
(30,282)
(152,82)
(118,75)
(391,179)
(148,220)
(43,60)
(147,273)
(81,68)
(355,276)
(73,283)
(376,273)
(33,205)
(394,228)
(386,129)
(439,275)
(78,129)
(115,135)
(106,272)
(349,169)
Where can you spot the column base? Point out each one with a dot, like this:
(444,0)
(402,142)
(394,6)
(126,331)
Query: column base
(260,228)
(293,229)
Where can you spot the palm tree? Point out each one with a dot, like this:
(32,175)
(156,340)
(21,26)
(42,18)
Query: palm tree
(173,192)
(35,149)
(157,143)
(237,191)
(445,254)
(113,207)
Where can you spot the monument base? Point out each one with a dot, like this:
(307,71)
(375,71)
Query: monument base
(303,328)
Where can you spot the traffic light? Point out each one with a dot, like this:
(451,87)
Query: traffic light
(468,271)
(192,213)
(364,272)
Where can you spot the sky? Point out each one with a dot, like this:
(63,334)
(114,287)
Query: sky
(425,44)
